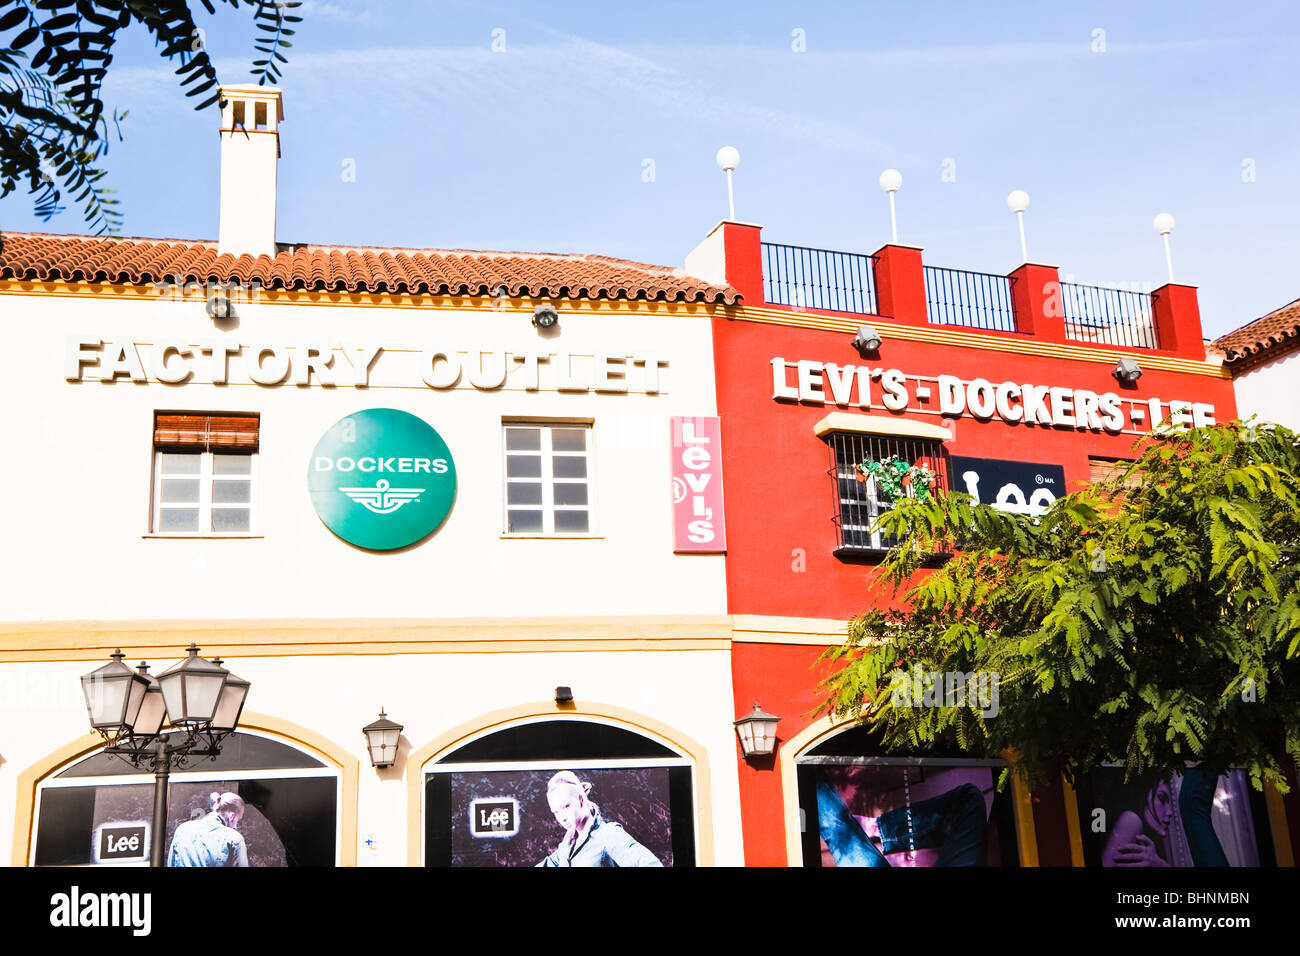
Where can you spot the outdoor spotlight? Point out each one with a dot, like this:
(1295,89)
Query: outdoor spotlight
(545,316)
(219,307)
(867,340)
(1127,372)
(564,695)
(381,740)
(757,732)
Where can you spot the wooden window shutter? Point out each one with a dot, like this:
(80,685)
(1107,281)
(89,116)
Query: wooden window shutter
(1101,469)
(227,433)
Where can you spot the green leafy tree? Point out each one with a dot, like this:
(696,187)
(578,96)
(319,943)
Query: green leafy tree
(54,56)
(1149,620)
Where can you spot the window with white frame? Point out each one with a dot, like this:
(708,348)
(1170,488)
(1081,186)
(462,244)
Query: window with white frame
(548,479)
(205,474)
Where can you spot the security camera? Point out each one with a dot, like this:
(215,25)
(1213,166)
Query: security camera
(1127,372)
(866,341)
(545,317)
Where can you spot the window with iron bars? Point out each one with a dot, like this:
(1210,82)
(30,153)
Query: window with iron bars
(860,498)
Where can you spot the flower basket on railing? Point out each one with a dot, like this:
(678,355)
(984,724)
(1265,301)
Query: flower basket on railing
(898,478)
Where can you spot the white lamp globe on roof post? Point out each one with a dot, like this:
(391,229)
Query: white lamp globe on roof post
(728,159)
(1018,202)
(891,181)
(1164,224)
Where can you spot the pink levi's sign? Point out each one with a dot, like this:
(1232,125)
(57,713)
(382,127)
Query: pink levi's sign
(699,524)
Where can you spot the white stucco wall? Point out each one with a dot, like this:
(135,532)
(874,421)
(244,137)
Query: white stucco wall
(78,546)
(84,554)
(1270,391)
(428,694)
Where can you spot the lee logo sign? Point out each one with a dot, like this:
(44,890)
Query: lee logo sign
(699,524)
(494,818)
(1019,487)
(121,842)
(382,479)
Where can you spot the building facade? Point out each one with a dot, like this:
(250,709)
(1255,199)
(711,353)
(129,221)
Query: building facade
(842,374)
(365,479)
(563,518)
(1263,357)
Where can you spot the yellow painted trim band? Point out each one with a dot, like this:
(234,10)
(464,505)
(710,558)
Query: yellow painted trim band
(1026,835)
(44,641)
(936,334)
(304,739)
(168,292)
(948,335)
(90,640)
(1277,826)
(25,806)
(500,719)
(765,629)
(1071,801)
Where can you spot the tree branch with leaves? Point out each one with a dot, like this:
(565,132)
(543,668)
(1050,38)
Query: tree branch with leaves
(54,57)
(1150,620)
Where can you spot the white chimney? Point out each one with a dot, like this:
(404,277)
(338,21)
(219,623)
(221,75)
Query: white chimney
(250,152)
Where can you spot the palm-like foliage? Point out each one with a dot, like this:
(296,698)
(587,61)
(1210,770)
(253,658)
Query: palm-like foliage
(55,56)
(1150,620)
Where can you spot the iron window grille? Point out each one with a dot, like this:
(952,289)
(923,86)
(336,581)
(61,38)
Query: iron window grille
(861,499)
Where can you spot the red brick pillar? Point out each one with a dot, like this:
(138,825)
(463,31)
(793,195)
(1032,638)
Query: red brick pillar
(1037,303)
(900,283)
(743,255)
(1178,320)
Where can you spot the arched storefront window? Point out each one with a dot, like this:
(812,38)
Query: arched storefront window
(279,806)
(560,792)
(864,808)
(1196,818)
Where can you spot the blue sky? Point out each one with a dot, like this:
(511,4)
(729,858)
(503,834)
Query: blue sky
(1189,108)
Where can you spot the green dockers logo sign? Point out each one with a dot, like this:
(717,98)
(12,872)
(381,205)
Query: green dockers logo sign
(382,479)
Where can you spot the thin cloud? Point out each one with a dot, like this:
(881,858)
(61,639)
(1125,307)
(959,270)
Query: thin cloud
(335,12)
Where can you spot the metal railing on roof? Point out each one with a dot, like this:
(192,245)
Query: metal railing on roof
(819,278)
(978,300)
(1108,316)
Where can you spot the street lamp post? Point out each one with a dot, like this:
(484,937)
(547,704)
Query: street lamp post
(200,699)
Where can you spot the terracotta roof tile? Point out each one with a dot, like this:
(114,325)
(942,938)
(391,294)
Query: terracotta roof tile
(1280,327)
(37,256)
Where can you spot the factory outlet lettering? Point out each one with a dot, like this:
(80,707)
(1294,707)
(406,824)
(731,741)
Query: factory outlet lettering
(221,362)
(819,383)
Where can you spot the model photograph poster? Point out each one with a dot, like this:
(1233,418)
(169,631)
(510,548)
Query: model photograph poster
(907,815)
(1195,818)
(235,823)
(557,817)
